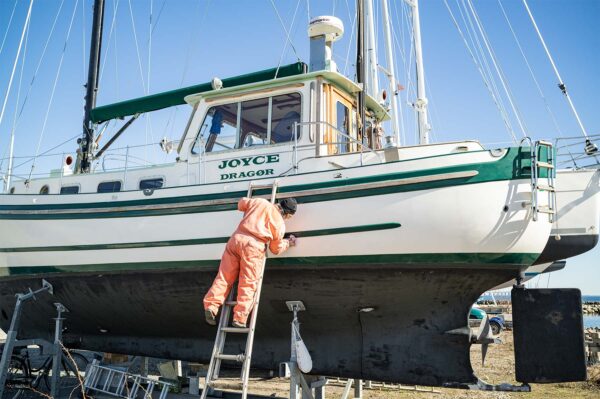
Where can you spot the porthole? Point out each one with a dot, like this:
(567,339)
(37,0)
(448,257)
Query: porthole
(109,187)
(45,190)
(12,190)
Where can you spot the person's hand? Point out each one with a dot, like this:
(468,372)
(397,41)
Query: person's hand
(292,240)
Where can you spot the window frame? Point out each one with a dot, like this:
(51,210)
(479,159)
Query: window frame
(146,178)
(110,181)
(69,186)
(239,115)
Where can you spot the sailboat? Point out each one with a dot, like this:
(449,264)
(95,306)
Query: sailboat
(131,252)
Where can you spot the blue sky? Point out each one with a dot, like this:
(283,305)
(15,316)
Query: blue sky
(194,40)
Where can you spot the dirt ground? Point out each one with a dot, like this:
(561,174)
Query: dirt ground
(499,368)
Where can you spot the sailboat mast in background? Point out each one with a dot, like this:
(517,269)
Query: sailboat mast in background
(421,103)
(391,72)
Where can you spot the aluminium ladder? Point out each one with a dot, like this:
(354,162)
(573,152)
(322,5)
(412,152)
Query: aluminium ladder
(537,167)
(114,382)
(223,328)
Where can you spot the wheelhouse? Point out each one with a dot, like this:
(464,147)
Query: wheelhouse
(254,127)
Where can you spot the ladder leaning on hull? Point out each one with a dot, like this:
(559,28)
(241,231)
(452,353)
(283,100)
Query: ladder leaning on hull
(223,329)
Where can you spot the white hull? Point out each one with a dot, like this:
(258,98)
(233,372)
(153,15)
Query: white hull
(481,218)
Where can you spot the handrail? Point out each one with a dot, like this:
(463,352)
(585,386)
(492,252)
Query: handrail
(339,133)
(576,151)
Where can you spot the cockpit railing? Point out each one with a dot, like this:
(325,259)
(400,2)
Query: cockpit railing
(578,152)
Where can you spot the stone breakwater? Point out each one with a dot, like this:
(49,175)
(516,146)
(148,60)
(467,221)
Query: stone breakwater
(591,308)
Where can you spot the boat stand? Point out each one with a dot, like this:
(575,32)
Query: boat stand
(52,348)
(299,386)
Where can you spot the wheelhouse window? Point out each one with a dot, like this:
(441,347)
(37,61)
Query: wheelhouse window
(263,121)
(343,126)
(285,113)
(69,190)
(109,186)
(254,123)
(151,183)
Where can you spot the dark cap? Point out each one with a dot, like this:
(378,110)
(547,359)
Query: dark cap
(288,205)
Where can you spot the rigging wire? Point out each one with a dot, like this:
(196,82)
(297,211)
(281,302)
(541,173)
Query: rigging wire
(499,71)
(481,72)
(110,33)
(286,43)
(487,73)
(84,36)
(30,159)
(561,84)
(15,115)
(137,47)
(352,32)
(483,60)
(12,14)
(12,74)
(62,56)
(537,85)
(39,64)
(287,33)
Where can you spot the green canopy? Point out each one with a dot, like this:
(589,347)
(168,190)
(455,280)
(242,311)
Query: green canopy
(176,97)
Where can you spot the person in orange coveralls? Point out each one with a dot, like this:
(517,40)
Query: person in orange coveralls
(244,255)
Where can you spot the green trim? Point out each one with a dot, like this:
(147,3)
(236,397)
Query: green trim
(457,260)
(514,165)
(198,241)
(176,97)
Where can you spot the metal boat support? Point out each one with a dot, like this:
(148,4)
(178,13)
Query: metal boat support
(52,348)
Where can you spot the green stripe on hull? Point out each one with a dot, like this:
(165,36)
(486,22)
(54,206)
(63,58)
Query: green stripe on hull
(452,260)
(198,241)
(513,166)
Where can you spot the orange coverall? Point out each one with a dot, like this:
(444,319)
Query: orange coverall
(244,256)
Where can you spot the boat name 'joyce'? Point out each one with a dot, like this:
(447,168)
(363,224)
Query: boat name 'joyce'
(248,161)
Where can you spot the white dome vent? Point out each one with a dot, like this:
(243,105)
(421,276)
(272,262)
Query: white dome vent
(330,27)
(323,31)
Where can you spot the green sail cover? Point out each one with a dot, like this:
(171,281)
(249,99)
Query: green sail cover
(176,97)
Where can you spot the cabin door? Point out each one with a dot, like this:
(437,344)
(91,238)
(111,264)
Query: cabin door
(341,113)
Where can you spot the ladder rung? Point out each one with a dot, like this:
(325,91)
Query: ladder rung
(238,330)
(545,187)
(226,384)
(545,143)
(545,209)
(261,186)
(544,165)
(230,303)
(235,358)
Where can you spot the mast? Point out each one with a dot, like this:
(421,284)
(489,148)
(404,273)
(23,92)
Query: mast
(421,103)
(360,65)
(372,76)
(87,140)
(391,71)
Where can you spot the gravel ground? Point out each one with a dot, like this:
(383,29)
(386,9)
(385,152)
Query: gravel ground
(499,368)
